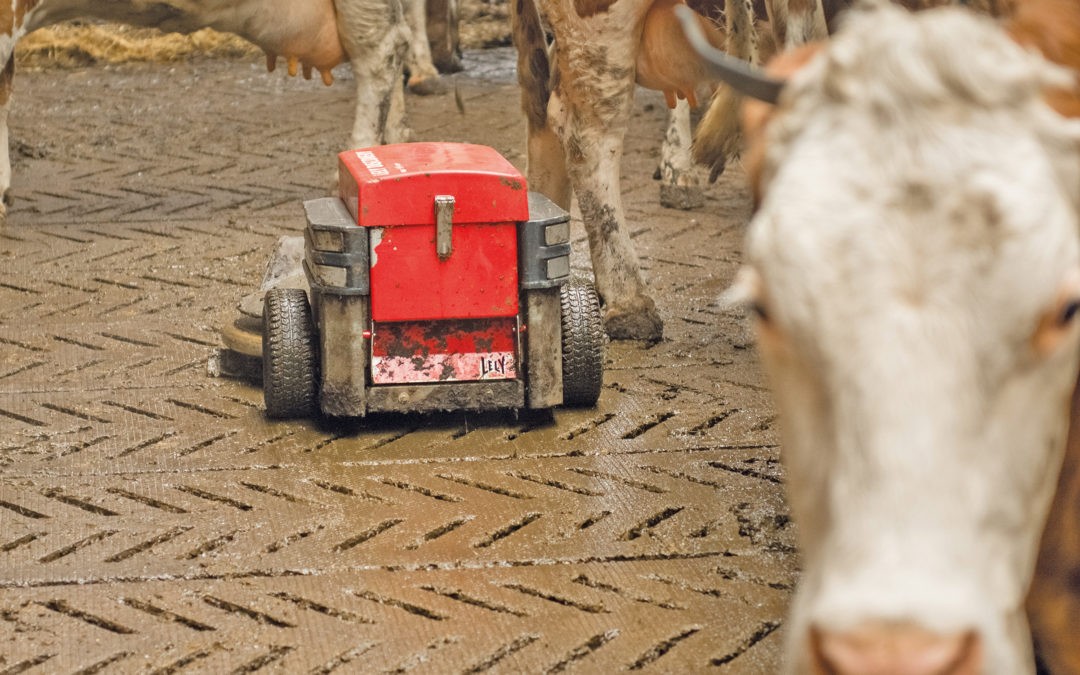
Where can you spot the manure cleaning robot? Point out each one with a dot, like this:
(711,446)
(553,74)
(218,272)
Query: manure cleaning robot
(435,281)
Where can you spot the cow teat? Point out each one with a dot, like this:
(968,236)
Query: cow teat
(295,65)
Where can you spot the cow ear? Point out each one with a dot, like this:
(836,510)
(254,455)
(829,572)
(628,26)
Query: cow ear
(1060,320)
(744,291)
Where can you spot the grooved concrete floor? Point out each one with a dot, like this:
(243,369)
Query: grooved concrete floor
(152,520)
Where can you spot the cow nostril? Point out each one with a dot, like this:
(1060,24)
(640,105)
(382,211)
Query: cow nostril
(895,649)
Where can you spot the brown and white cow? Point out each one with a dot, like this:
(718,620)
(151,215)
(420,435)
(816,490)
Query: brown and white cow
(311,35)
(577,93)
(914,268)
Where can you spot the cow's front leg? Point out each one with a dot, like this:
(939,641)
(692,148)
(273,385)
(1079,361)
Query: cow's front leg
(593,157)
(376,37)
(6,77)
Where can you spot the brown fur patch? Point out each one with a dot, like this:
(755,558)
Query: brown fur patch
(21,10)
(666,61)
(1052,27)
(1053,603)
(6,76)
(7,18)
(587,8)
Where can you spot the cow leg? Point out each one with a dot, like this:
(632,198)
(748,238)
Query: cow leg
(797,22)
(579,127)
(806,22)
(6,78)
(680,178)
(376,37)
(593,151)
(423,76)
(443,36)
(546,166)
(1054,601)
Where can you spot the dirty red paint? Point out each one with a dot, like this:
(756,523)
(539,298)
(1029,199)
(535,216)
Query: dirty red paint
(410,283)
(444,351)
(397,184)
(392,189)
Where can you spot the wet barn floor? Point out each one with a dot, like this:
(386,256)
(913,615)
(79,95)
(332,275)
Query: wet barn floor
(152,520)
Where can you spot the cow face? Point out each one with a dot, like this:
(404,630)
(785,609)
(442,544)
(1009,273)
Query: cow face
(914,268)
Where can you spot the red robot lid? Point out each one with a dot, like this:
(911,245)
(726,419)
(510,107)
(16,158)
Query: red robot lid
(397,184)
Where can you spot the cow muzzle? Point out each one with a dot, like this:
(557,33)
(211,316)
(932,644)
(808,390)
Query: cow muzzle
(880,648)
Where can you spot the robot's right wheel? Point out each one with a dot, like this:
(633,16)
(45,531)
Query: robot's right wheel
(582,344)
(290,355)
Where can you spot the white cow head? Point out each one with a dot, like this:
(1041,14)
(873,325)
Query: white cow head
(915,270)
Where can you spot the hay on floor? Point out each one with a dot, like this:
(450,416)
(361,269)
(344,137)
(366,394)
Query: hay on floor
(79,44)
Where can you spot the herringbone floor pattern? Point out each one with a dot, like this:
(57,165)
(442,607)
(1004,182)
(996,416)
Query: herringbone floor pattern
(152,520)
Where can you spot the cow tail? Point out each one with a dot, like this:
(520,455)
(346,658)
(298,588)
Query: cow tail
(533,65)
(717,138)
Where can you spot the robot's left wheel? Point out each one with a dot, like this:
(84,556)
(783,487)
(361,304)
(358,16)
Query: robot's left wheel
(290,355)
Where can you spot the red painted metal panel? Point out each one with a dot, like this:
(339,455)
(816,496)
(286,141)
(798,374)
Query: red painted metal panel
(397,184)
(410,283)
(444,351)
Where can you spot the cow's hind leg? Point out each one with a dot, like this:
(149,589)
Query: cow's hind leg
(1054,600)
(681,180)
(423,76)
(376,37)
(443,17)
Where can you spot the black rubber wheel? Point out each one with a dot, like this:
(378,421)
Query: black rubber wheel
(290,355)
(582,344)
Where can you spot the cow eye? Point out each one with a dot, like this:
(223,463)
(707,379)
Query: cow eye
(760,311)
(1057,322)
(1068,312)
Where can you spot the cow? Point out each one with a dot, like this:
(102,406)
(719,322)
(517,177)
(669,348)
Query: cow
(311,35)
(577,94)
(913,270)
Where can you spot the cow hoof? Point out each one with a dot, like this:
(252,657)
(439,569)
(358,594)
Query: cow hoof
(682,197)
(429,86)
(641,324)
(448,63)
